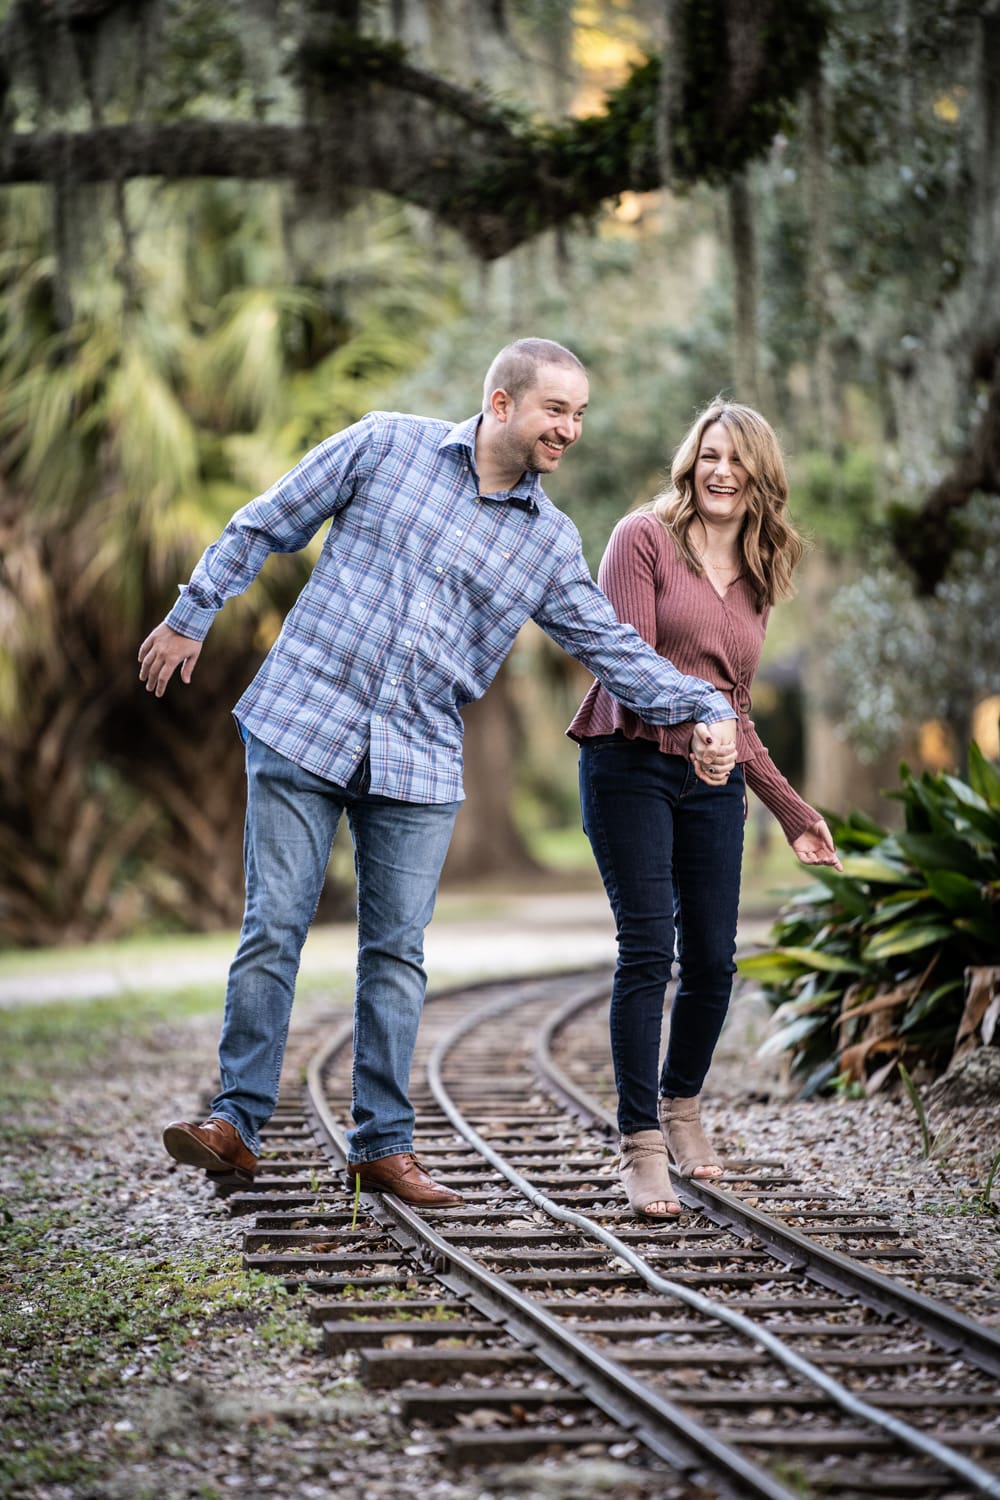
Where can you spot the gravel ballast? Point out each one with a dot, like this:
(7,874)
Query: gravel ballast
(238,1407)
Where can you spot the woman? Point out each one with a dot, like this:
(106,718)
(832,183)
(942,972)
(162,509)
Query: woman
(696,571)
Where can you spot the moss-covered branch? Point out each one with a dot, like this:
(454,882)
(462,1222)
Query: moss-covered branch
(371,120)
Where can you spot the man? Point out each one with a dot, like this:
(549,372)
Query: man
(441,545)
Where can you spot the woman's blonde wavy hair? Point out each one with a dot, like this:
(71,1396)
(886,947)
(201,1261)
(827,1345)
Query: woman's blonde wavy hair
(770,546)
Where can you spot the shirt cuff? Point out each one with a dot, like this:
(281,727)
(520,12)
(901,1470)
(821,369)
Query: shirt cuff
(715,708)
(190,619)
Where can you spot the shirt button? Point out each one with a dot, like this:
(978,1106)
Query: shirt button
(407,643)
(393,681)
(439,569)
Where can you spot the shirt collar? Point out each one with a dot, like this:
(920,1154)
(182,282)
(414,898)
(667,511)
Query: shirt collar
(525,495)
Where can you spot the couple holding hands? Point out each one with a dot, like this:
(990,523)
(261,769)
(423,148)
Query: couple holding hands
(441,545)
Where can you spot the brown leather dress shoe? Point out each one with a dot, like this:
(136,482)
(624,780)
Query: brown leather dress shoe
(403,1175)
(214,1145)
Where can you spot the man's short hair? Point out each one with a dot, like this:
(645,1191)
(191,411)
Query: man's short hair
(516,367)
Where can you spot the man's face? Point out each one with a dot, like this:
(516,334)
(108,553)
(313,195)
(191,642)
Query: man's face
(546,420)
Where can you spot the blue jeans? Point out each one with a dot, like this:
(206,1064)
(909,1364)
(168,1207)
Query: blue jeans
(669,849)
(399,849)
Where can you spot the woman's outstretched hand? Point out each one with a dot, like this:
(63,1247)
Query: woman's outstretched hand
(815,846)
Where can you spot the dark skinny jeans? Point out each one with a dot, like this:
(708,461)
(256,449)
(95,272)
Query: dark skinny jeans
(669,849)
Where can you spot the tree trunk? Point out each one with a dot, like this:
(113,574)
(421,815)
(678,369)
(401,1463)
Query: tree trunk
(743,249)
(184,753)
(944,394)
(486,839)
(818,194)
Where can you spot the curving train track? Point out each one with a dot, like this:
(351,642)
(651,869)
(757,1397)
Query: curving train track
(768,1343)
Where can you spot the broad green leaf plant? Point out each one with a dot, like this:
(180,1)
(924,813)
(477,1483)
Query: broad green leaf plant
(867,968)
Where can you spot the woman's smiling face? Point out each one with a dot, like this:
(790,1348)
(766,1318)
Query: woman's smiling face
(720,479)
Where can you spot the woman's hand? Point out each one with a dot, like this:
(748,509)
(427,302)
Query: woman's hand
(815,846)
(713,751)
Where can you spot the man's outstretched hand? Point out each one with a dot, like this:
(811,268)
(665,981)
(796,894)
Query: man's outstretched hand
(161,653)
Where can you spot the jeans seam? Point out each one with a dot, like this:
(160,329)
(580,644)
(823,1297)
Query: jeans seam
(250,1085)
(605,849)
(390,968)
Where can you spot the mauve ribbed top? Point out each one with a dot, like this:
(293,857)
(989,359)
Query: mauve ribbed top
(705,635)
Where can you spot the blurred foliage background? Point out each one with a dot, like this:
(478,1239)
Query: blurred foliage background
(227,230)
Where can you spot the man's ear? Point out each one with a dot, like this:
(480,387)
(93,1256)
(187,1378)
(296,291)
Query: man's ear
(501,405)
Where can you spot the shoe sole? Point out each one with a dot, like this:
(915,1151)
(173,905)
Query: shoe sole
(232,1180)
(190,1152)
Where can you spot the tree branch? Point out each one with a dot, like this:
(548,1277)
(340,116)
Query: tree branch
(439,149)
(373,121)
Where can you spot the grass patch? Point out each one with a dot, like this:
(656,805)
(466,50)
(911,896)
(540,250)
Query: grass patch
(77,1330)
(103,1319)
(154,949)
(566,850)
(80,1032)
(770,869)
(46,1046)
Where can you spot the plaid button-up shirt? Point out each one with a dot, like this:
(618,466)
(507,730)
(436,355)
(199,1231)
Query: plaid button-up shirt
(416,598)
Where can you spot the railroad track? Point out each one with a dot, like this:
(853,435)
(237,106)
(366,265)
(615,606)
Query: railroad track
(765,1344)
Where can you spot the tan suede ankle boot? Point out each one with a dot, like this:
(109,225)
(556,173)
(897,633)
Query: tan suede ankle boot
(680,1121)
(645,1174)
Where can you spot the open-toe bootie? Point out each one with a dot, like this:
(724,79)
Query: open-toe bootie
(645,1174)
(680,1120)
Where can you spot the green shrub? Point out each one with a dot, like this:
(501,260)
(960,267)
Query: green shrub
(867,967)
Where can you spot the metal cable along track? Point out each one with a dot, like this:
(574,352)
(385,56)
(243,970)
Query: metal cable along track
(955,1332)
(662,1427)
(665,1428)
(855,1278)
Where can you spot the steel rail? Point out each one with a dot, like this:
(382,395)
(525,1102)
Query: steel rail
(981,1479)
(838,1272)
(440,1255)
(667,1431)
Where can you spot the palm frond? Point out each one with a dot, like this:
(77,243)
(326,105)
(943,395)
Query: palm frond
(242,376)
(153,440)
